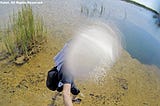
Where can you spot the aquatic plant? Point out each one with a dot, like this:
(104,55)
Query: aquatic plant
(93,11)
(0,35)
(24,33)
(9,42)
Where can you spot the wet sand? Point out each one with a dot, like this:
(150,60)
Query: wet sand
(127,83)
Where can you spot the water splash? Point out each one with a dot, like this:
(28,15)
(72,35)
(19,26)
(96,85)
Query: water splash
(93,50)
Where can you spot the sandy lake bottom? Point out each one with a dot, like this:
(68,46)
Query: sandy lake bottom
(127,83)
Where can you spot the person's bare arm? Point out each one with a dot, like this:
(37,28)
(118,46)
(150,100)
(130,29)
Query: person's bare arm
(66,95)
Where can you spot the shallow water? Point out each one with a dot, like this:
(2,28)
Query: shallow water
(128,83)
(64,18)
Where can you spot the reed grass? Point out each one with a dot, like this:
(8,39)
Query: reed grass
(93,12)
(24,32)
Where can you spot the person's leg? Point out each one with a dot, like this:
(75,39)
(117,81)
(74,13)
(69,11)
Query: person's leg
(66,95)
(75,91)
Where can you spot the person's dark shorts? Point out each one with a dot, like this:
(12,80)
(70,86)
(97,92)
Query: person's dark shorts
(67,78)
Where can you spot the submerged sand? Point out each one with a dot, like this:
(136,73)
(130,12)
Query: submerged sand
(127,83)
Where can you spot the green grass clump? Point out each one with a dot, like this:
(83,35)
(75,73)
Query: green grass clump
(24,33)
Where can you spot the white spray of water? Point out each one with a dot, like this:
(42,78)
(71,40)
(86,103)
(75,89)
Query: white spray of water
(93,51)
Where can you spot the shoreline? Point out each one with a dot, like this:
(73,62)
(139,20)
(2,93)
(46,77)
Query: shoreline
(141,5)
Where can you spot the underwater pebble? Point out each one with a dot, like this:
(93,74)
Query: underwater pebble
(91,94)
(123,83)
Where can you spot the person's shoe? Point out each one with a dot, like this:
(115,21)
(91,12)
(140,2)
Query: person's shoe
(76,100)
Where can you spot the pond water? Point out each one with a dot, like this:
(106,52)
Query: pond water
(141,33)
